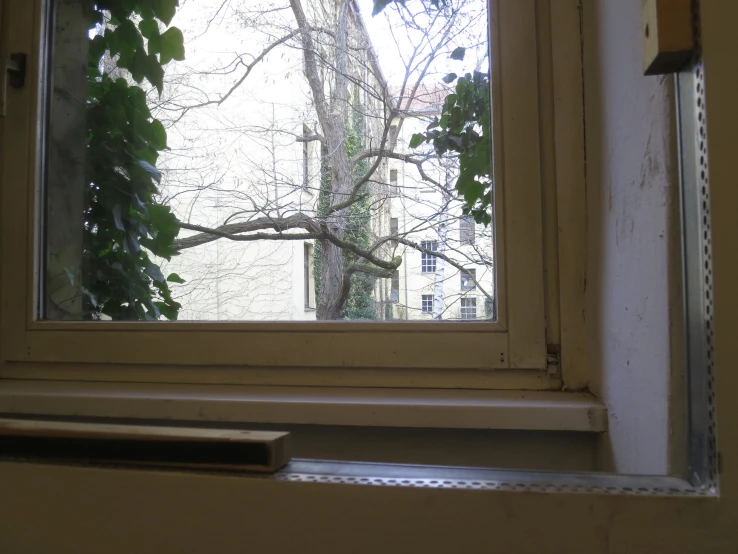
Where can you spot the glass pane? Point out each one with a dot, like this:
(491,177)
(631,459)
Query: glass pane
(275,160)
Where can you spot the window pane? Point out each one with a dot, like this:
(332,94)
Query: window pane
(244,161)
(468,308)
(467,231)
(468,279)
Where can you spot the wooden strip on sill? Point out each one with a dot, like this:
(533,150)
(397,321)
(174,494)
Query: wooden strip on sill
(372,407)
(144,445)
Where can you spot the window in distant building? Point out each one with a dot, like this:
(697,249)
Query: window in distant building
(468,308)
(308,276)
(395,295)
(305,157)
(393,136)
(428,261)
(393,182)
(426,304)
(466,228)
(467,279)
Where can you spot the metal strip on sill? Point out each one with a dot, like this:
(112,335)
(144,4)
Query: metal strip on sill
(439,477)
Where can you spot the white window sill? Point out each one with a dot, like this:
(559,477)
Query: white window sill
(371,407)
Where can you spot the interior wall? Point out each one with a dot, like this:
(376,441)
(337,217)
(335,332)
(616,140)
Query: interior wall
(633,279)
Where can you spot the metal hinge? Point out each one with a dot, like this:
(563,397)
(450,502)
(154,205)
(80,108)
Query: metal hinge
(14,75)
(553,360)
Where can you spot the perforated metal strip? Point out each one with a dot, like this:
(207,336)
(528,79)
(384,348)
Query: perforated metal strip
(389,475)
(703,454)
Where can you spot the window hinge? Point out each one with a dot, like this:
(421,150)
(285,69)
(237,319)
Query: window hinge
(14,75)
(553,360)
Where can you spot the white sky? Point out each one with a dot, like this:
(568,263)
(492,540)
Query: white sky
(389,59)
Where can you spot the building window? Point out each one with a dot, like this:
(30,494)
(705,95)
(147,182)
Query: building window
(393,137)
(426,304)
(468,278)
(395,294)
(466,228)
(305,157)
(468,308)
(394,226)
(393,183)
(427,260)
(308,281)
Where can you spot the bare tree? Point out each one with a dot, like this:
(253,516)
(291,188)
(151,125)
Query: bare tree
(258,188)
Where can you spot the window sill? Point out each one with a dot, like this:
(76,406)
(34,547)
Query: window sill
(371,407)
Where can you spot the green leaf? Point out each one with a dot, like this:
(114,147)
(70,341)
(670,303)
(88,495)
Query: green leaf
(98,45)
(154,45)
(449,78)
(379,5)
(155,73)
(159,135)
(127,38)
(458,53)
(416,140)
(165,9)
(171,46)
(117,218)
(174,278)
(155,273)
(149,28)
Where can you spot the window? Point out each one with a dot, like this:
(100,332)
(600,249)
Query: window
(395,293)
(427,260)
(393,136)
(467,279)
(468,308)
(426,303)
(466,230)
(394,191)
(308,281)
(51,310)
(393,226)
(305,156)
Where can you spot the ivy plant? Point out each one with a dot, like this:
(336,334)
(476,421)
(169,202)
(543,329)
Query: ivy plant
(124,226)
(463,127)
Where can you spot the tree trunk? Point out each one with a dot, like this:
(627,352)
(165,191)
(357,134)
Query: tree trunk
(333,122)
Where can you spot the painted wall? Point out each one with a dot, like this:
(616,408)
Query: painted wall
(631,195)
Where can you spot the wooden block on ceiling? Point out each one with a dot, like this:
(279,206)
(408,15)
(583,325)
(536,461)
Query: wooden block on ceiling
(667,35)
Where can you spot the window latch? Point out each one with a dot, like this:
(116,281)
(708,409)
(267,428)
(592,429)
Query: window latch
(13,76)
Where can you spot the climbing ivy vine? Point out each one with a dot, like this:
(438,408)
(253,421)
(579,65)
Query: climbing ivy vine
(360,301)
(124,226)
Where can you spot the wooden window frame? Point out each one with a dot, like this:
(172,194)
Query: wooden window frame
(236,352)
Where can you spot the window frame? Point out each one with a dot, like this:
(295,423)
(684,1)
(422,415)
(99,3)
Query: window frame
(464,304)
(425,308)
(467,231)
(515,341)
(467,279)
(308,276)
(428,262)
